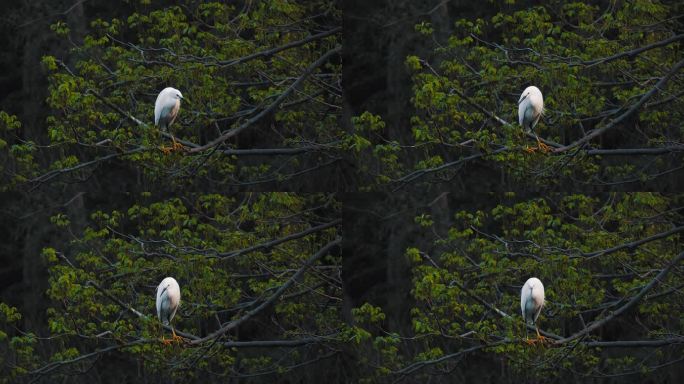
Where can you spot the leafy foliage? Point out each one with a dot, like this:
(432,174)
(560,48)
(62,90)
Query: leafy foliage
(221,251)
(580,56)
(466,289)
(260,76)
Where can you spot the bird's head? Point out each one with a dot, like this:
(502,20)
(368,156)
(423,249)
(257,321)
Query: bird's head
(178,95)
(172,93)
(528,92)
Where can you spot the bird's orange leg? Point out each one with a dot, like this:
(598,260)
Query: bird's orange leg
(177,338)
(166,150)
(543,147)
(540,146)
(528,341)
(529,149)
(540,338)
(176,146)
(164,340)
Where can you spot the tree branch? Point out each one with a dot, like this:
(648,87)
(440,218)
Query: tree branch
(597,132)
(632,244)
(228,344)
(421,364)
(500,312)
(307,72)
(57,172)
(635,151)
(54,365)
(592,344)
(236,323)
(275,242)
(633,52)
(271,52)
(421,172)
(634,343)
(598,324)
(272,151)
(273,343)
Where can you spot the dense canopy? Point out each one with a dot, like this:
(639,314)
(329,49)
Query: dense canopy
(357,195)
(611,77)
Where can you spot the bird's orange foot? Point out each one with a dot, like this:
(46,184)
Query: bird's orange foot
(165,341)
(538,340)
(544,148)
(178,147)
(166,150)
(179,339)
(530,149)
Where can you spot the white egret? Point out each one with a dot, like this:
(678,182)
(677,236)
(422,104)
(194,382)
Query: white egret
(530,109)
(168,300)
(166,110)
(531,302)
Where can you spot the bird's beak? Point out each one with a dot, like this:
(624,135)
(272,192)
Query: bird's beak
(522,98)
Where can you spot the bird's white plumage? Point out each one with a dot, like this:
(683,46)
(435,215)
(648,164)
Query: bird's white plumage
(168,299)
(530,107)
(531,299)
(166,107)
